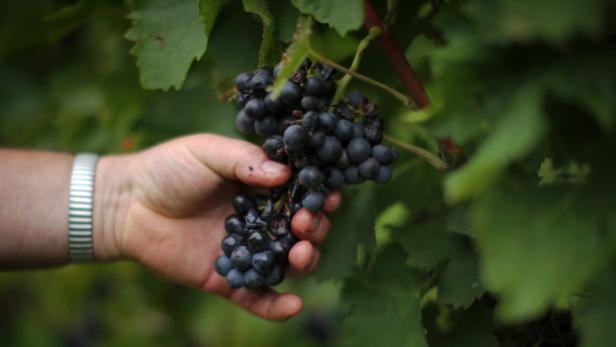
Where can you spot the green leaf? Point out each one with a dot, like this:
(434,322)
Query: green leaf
(595,318)
(67,19)
(209,10)
(168,36)
(458,283)
(270,50)
(352,230)
(342,15)
(472,327)
(295,54)
(384,308)
(538,245)
(518,130)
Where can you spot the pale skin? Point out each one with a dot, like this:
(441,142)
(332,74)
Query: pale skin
(163,208)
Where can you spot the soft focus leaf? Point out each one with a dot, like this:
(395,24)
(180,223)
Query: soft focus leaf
(342,15)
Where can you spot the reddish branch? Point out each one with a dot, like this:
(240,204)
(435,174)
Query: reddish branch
(396,58)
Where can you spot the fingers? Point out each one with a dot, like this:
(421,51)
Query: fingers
(238,160)
(333,201)
(303,259)
(265,303)
(310,226)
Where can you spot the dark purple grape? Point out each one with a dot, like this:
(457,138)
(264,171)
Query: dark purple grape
(316,139)
(344,130)
(310,177)
(274,106)
(253,279)
(274,148)
(281,228)
(234,225)
(275,277)
(326,72)
(230,243)
(335,178)
(322,104)
(343,161)
(252,215)
(352,176)
(295,139)
(242,203)
(235,279)
(384,174)
(280,250)
(311,121)
(223,265)
(313,201)
(261,79)
(310,103)
(328,121)
(255,108)
(329,88)
(369,169)
(242,81)
(382,153)
(241,258)
(358,150)
(358,130)
(263,261)
(356,99)
(245,124)
(257,241)
(266,127)
(314,86)
(331,150)
(291,93)
(242,99)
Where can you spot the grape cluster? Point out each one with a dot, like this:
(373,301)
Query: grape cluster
(325,145)
(258,241)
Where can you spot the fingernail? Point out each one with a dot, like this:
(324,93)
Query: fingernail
(273,168)
(314,224)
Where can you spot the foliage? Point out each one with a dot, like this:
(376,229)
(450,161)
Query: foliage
(476,255)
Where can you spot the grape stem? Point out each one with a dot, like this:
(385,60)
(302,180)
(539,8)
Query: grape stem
(319,57)
(431,158)
(361,47)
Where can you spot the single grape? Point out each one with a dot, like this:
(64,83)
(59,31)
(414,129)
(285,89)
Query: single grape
(251,216)
(279,250)
(275,277)
(314,86)
(311,120)
(257,241)
(263,261)
(310,103)
(230,243)
(223,265)
(358,150)
(255,108)
(241,258)
(242,203)
(235,279)
(295,139)
(274,148)
(242,99)
(384,174)
(356,99)
(273,105)
(291,93)
(316,139)
(369,169)
(242,81)
(328,121)
(266,127)
(310,177)
(344,130)
(335,178)
(352,176)
(253,279)
(382,153)
(331,150)
(234,225)
(245,124)
(261,79)
(313,201)
(358,130)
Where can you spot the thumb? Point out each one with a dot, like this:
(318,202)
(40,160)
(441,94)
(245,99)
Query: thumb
(238,160)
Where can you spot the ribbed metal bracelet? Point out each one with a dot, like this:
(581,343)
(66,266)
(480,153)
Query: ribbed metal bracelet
(80,208)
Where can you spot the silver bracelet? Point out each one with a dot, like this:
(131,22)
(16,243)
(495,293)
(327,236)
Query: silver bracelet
(80,208)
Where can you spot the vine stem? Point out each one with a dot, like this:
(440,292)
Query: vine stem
(396,58)
(361,47)
(434,160)
(403,98)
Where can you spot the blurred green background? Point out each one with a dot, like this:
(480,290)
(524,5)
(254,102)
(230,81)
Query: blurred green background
(68,83)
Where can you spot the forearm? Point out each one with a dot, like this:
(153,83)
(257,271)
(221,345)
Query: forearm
(34,208)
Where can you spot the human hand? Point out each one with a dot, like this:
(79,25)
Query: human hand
(168,205)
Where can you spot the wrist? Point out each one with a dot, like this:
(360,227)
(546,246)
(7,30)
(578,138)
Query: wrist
(112,197)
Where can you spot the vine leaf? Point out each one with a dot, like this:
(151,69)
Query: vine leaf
(342,15)
(538,246)
(269,52)
(384,305)
(168,36)
(295,54)
(595,318)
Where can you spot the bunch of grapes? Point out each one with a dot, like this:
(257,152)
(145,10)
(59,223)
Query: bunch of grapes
(325,145)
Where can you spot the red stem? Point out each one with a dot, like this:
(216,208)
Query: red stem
(396,57)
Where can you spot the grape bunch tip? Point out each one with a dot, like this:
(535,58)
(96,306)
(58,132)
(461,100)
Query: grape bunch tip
(325,145)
